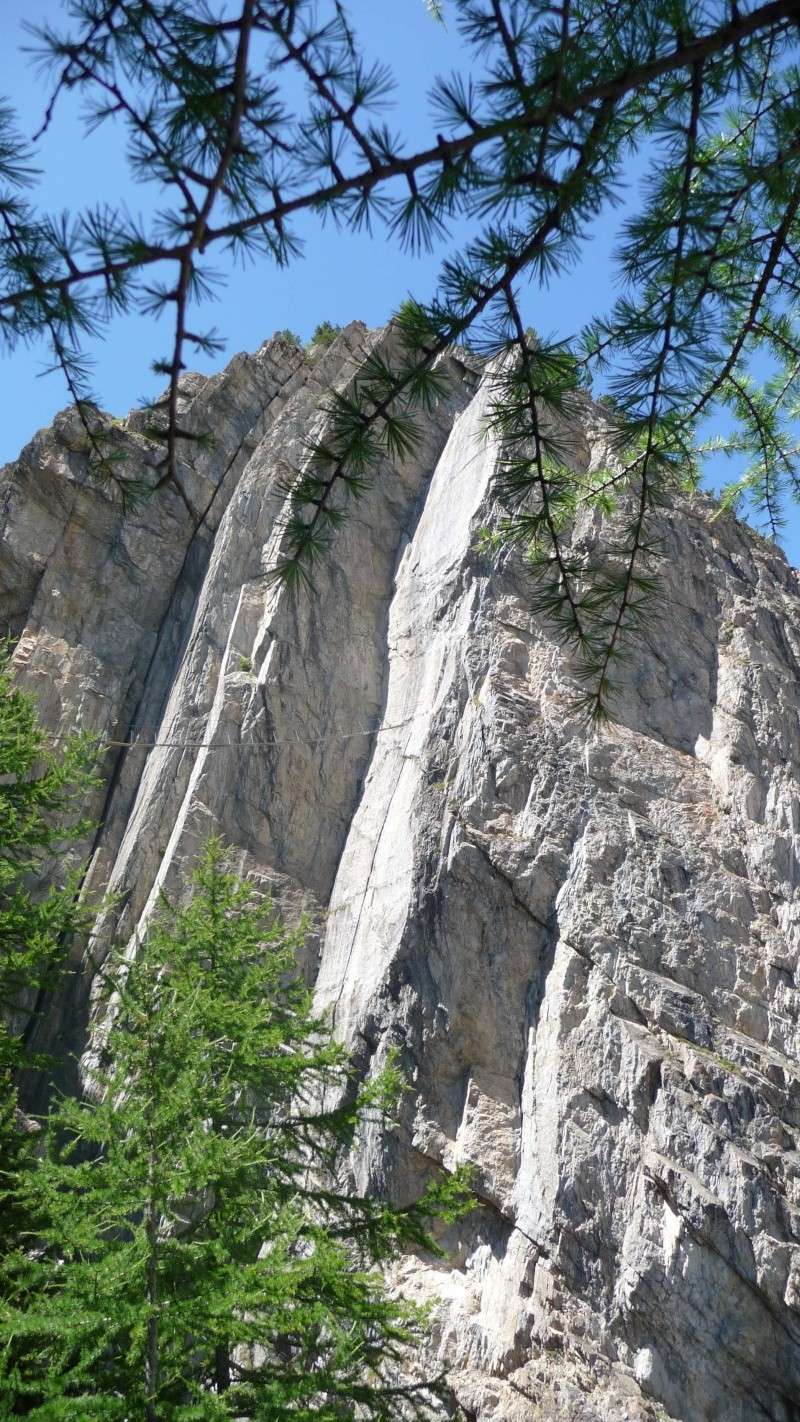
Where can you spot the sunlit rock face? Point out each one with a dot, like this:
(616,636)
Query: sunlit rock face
(584,945)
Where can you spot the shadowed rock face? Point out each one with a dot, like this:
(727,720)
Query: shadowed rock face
(585,947)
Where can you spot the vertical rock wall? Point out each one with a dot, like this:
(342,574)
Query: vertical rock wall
(585,947)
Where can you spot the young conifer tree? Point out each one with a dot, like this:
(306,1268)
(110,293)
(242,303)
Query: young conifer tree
(195,1257)
(42,799)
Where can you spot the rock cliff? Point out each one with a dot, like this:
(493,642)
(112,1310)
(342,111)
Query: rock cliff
(585,946)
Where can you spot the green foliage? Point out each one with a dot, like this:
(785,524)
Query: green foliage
(532,146)
(325,334)
(198,1252)
(42,798)
(289,336)
(763,433)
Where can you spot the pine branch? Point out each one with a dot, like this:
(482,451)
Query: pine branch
(520,151)
(777,13)
(750,322)
(66,79)
(198,235)
(576,626)
(299,54)
(596,705)
(68,363)
(510,46)
(302,545)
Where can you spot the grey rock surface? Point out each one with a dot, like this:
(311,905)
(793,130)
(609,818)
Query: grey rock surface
(585,946)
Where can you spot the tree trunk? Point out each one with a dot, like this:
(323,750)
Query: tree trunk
(222,1367)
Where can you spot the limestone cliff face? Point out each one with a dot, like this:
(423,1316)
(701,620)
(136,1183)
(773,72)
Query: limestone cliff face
(586,947)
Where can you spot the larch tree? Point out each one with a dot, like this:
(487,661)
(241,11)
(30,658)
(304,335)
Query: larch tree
(532,148)
(196,1252)
(43,793)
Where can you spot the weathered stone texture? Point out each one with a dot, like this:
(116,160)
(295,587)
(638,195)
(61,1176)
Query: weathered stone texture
(584,945)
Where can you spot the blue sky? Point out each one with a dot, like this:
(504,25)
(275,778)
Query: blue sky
(341,276)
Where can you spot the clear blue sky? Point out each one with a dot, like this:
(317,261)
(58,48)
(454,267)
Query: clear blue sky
(340,277)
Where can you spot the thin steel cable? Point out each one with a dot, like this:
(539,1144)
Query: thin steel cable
(294,740)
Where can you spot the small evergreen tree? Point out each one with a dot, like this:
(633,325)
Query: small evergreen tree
(42,798)
(195,1257)
(325,334)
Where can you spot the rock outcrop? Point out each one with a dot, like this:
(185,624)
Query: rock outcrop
(585,946)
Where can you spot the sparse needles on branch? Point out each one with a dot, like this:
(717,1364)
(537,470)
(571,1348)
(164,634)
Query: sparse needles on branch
(532,148)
